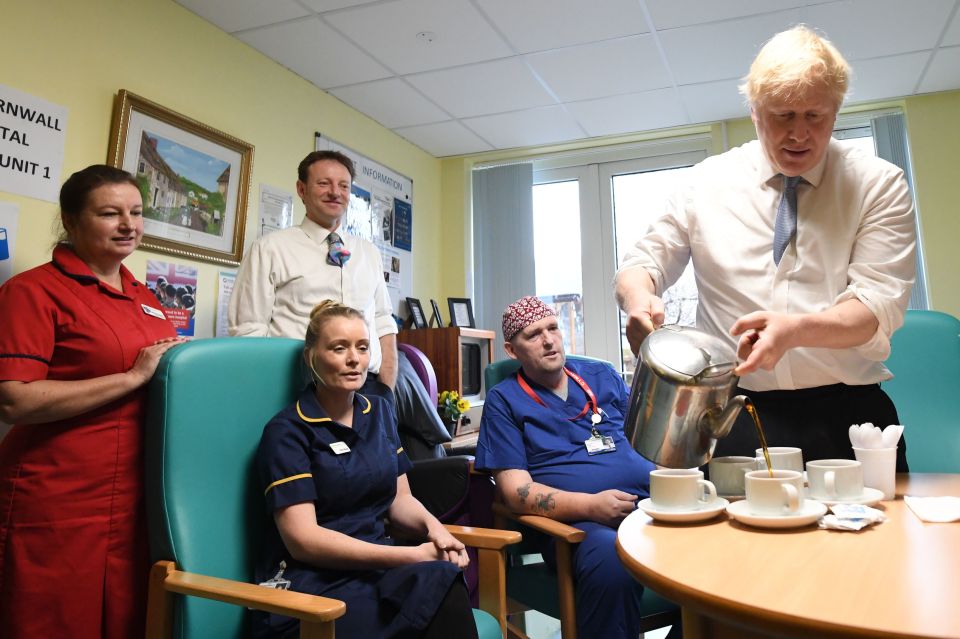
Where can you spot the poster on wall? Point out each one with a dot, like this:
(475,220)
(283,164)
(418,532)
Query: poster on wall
(276,209)
(9,217)
(225,281)
(381,211)
(32,137)
(175,286)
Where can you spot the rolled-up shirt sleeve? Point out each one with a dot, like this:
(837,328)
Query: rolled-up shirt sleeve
(664,249)
(251,304)
(883,260)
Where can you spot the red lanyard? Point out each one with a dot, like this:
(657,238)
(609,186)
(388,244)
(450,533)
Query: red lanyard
(591,398)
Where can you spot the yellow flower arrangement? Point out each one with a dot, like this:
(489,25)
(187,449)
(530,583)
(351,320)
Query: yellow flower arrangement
(452,406)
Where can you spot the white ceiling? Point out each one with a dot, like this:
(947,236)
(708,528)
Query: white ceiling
(496,74)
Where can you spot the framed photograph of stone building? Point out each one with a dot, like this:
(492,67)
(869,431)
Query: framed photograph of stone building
(194,179)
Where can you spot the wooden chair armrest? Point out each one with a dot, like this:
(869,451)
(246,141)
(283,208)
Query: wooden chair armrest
(552,527)
(310,608)
(484,537)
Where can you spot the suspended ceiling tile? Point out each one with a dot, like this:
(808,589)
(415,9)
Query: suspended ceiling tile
(625,65)
(629,113)
(392,103)
(480,89)
(888,77)
(538,25)
(714,101)
(544,125)
(444,138)
(235,15)
(944,71)
(321,6)
(952,36)
(718,51)
(670,14)
(873,28)
(316,52)
(388,31)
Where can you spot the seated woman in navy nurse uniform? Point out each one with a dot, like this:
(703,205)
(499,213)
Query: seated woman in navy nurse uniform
(332,470)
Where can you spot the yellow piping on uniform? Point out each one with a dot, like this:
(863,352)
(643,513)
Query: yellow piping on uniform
(285,480)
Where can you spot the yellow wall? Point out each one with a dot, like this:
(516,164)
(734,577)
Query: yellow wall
(80,53)
(934,133)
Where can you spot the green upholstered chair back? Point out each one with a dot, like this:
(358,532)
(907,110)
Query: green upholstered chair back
(209,402)
(925,362)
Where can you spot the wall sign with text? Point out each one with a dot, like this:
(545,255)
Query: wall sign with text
(31,144)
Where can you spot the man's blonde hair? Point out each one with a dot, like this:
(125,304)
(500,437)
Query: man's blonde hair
(791,63)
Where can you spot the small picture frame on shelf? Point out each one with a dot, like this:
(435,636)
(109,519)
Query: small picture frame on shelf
(461,312)
(417,318)
(436,318)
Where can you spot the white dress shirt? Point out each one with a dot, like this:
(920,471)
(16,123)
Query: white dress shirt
(855,240)
(285,274)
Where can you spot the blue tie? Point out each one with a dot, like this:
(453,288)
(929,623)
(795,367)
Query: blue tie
(786,225)
(337,255)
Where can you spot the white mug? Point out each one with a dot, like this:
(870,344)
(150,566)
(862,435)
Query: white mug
(835,479)
(781,494)
(727,473)
(782,458)
(680,489)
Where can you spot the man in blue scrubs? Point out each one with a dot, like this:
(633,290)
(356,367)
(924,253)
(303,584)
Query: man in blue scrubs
(552,434)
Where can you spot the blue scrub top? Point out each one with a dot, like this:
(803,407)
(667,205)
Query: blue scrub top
(517,432)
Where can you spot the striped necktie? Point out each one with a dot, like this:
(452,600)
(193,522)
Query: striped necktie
(337,255)
(786,225)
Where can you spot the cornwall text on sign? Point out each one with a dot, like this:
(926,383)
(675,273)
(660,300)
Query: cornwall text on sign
(31,144)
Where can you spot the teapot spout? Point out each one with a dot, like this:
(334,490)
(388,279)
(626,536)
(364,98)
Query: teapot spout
(722,425)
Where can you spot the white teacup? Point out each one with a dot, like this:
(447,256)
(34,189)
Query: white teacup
(781,494)
(727,473)
(782,458)
(680,489)
(836,479)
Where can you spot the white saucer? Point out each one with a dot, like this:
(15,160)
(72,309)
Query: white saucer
(700,513)
(869,497)
(811,512)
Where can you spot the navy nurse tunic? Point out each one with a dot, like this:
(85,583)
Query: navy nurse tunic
(73,538)
(352,493)
(517,432)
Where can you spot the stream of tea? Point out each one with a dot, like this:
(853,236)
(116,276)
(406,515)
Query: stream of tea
(763,440)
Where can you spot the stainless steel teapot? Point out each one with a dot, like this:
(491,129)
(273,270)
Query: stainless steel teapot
(682,398)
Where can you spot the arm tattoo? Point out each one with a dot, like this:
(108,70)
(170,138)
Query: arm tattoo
(545,503)
(524,492)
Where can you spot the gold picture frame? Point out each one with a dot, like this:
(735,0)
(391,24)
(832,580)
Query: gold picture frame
(195,180)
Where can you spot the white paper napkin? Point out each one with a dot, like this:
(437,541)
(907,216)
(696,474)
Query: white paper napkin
(935,509)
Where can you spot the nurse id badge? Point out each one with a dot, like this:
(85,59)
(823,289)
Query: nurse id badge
(596,444)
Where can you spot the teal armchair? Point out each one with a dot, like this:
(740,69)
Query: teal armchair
(534,585)
(925,362)
(209,401)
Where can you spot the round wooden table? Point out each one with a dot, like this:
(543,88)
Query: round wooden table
(900,578)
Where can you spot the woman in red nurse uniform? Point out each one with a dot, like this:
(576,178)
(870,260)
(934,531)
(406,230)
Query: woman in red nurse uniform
(79,339)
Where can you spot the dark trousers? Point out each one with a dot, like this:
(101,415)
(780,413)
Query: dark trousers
(817,420)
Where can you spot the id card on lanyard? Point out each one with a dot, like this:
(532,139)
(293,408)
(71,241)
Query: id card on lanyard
(596,443)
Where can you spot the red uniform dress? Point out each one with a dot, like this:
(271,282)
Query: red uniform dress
(73,541)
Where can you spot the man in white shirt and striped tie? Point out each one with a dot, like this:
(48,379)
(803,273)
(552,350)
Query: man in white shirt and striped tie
(286,273)
(803,253)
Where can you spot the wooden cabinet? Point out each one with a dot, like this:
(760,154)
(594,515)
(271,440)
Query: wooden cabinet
(459,356)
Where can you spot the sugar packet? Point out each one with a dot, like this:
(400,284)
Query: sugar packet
(851,517)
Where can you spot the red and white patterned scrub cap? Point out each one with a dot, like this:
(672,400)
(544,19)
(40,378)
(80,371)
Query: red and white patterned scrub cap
(522,313)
